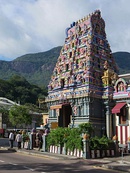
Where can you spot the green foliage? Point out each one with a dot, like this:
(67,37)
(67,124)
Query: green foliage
(16,80)
(56,137)
(74,140)
(19,115)
(123,61)
(20,90)
(4,110)
(25,137)
(33,108)
(86,128)
(5,118)
(71,137)
(36,68)
(97,143)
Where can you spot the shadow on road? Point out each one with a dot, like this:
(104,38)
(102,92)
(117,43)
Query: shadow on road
(78,167)
(8,151)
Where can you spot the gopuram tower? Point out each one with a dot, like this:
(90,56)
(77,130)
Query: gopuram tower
(81,86)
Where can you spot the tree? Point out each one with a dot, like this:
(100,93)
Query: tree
(86,128)
(19,115)
(5,112)
(18,89)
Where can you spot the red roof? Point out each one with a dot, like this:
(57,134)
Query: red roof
(118,107)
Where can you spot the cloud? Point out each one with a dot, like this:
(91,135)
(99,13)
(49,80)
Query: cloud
(29,26)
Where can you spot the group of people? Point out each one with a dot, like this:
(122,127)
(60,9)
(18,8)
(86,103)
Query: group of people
(15,137)
(22,137)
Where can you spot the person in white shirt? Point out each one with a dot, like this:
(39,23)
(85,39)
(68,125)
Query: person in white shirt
(19,139)
(11,139)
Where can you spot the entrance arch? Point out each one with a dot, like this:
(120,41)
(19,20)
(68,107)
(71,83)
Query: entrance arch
(64,117)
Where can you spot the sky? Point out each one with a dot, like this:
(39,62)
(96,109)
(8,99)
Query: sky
(32,26)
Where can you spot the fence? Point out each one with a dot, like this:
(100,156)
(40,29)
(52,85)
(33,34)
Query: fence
(78,153)
(85,153)
(62,150)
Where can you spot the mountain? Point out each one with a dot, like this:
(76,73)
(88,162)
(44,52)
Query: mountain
(37,68)
(123,61)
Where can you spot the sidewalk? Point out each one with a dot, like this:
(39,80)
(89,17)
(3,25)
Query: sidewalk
(41,153)
(116,163)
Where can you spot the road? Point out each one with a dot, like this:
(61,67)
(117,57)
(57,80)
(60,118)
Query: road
(14,162)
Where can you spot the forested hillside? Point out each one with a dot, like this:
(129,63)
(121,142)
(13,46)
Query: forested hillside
(123,61)
(36,68)
(21,91)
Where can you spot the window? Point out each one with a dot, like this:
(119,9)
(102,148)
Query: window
(54,113)
(67,67)
(62,83)
(123,116)
(120,86)
(70,54)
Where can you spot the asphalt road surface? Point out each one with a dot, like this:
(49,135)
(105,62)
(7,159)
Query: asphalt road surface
(14,162)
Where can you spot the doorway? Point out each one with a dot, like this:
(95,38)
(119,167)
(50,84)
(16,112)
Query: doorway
(64,117)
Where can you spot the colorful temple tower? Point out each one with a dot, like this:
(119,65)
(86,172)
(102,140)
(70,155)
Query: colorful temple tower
(81,86)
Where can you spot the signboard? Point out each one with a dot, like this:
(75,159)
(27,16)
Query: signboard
(122,146)
(54,125)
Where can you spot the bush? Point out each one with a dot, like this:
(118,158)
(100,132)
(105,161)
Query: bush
(97,143)
(74,140)
(25,137)
(86,128)
(56,137)
(71,137)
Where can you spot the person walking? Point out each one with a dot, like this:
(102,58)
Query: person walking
(39,140)
(11,139)
(19,140)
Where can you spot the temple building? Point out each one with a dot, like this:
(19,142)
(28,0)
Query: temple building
(121,111)
(82,84)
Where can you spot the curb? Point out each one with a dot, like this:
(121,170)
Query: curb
(115,168)
(36,154)
(48,155)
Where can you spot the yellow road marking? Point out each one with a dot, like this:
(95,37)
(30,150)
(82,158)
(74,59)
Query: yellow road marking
(108,169)
(33,155)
